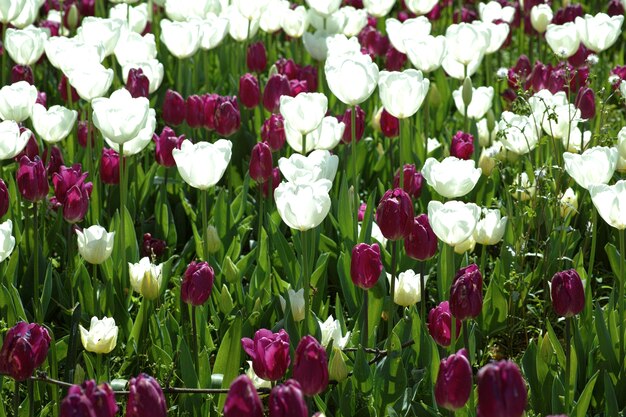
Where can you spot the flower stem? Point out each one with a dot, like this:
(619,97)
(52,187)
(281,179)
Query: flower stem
(567,362)
(305,278)
(16,396)
(37,276)
(622,271)
(122,212)
(205,226)
(594,234)
(364,334)
(355,174)
(422,293)
(194,340)
(31,398)
(394,260)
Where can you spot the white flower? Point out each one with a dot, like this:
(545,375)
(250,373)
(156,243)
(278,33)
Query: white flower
(213,30)
(98,31)
(324,7)
(152,69)
(456,69)
(482,97)
(271,15)
(301,169)
(610,201)
(91,80)
(303,206)
(95,244)
(427,52)
(132,47)
(400,32)
(181,38)
(621,142)
(563,39)
(540,17)
(10,9)
(356,20)
(454,221)
(378,8)
(466,42)
(494,11)
(497,34)
(523,188)
(331,330)
(352,77)
(7,241)
(202,165)
(467,245)
(451,177)
(133,18)
(568,203)
(101,336)
(567,117)
(420,7)
(304,112)
(594,166)
(146,278)
(520,133)
(25,46)
(407,289)
(294,22)
(121,117)
(12,142)
(332,24)
(139,142)
(256,380)
(490,229)
(402,93)
(239,27)
(577,140)
(296,302)
(598,33)
(17,101)
(315,44)
(54,124)
(485,137)
(326,137)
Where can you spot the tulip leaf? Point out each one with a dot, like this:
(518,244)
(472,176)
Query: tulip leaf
(228,358)
(345,217)
(614,258)
(582,405)
(611,407)
(390,374)
(605,342)
(47,290)
(362,372)
(285,252)
(493,317)
(556,345)
(348,289)
(187,367)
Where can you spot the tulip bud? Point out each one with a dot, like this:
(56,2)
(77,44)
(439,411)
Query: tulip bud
(145,398)
(213,239)
(296,303)
(568,293)
(466,294)
(63,90)
(24,349)
(337,368)
(89,399)
(225,301)
(210,104)
(194,111)
(389,125)
(277,85)
(243,399)
(287,67)
(256,57)
(412,180)
(359,125)
(421,241)
(586,103)
(231,272)
(146,278)
(165,143)
(32,180)
(152,247)
(616,8)
(55,160)
(261,162)
(287,400)
(173,108)
(274,182)
(71,16)
(466,92)
(394,214)
(273,132)
(227,116)
(138,83)
(462,145)
(454,381)
(365,265)
(71,192)
(197,283)
(361,214)
(83,130)
(22,73)
(4,198)
(310,368)
(434,96)
(501,390)
(308,75)
(249,91)
(569,203)
(110,166)
(440,324)
(76,203)
(269,353)
(298,86)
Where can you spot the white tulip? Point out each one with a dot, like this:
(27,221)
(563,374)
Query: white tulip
(621,142)
(324,7)
(568,203)
(303,206)
(540,17)
(564,39)
(420,7)
(213,30)
(304,112)
(296,302)
(327,135)
(485,137)
(152,69)
(239,27)
(257,381)
(134,19)
(101,336)
(523,188)
(594,166)
(426,53)
(577,140)
(181,10)
(317,165)
(482,97)
(567,117)
(139,142)
(315,44)
(132,47)
(271,15)
(407,289)
(73,53)
(146,278)
(352,78)
(98,31)
(457,70)
(489,158)
(490,229)
(120,117)
(91,81)
(17,101)
(202,165)
(451,177)
(29,14)
(378,8)
(10,9)
(25,46)
(181,38)
(468,245)
(54,124)
(12,142)
(331,331)
(453,222)
(294,22)
(332,24)
(7,241)
(95,244)
(400,32)
(250,9)
(497,35)
(466,42)
(519,133)
(598,33)
(494,11)
(339,46)
(402,93)
(356,20)
(610,201)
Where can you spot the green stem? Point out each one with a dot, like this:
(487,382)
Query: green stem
(567,362)
(594,235)
(36,244)
(205,226)
(422,293)
(4,56)
(355,178)
(194,337)
(261,215)
(31,398)
(305,278)
(364,335)
(471,360)
(394,259)
(16,396)
(123,212)
(400,143)
(622,271)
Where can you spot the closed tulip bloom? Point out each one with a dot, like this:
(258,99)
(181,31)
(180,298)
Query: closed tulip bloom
(54,124)
(12,140)
(256,57)
(101,336)
(466,294)
(495,11)
(137,83)
(482,97)
(90,80)
(9,10)
(610,201)
(4,198)
(32,179)
(400,32)
(95,244)
(303,206)
(7,241)
(277,86)
(89,399)
(71,192)
(426,53)
(310,367)
(564,39)
(402,93)
(453,222)
(394,214)
(440,324)
(287,400)
(451,177)
(567,292)
(294,21)
(568,203)
(17,101)
(145,398)
(181,38)
(519,133)
(598,33)
(197,283)
(407,288)
(139,142)
(296,303)
(326,136)
(378,8)
(454,381)
(194,111)
(227,116)
(304,113)
(319,164)
(365,265)
(146,278)
(315,44)
(273,132)
(121,117)
(22,73)
(165,143)
(462,146)
(110,166)
(412,180)
(359,126)
(586,102)
(324,7)
(249,91)
(540,17)
(100,31)
(491,228)
(192,162)
(389,124)
(173,108)
(352,78)
(261,162)
(132,47)
(331,331)
(269,353)
(421,7)
(24,349)
(243,399)
(151,70)
(465,42)
(501,390)
(421,242)
(25,46)
(594,166)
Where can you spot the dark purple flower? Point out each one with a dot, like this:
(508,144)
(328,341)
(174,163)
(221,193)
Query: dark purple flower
(269,353)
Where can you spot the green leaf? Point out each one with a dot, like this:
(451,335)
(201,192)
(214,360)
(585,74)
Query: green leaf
(390,376)
(611,407)
(556,345)
(580,410)
(229,357)
(187,367)
(605,342)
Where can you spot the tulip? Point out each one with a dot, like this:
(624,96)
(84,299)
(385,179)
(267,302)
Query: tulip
(152,247)
(25,46)
(426,53)
(466,294)
(480,102)
(277,86)
(495,11)
(407,288)
(22,73)
(63,90)
(71,192)
(352,78)
(261,162)
(274,181)
(394,214)
(466,43)
(315,44)
(402,93)
(7,241)
(132,47)
(568,293)
(24,349)
(32,180)
(359,129)
(365,265)
(394,60)
(378,8)
(182,39)
(310,367)
(32,147)
(609,201)
(89,399)
(616,8)
(331,331)
(304,113)
(303,206)
(621,143)
(412,180)
(294,21)
(586,103)
(110,166)
(440,324)
(194,111)
(137,83)
(145,398)
(13,140)
(462,146)
(563,39)
(540,17)
(100,31)
(519,133)
(421,242)
(326,136)
(192,162)
(17,101)
(389,125)
(121,117)
(273,132)
(287,400)
(90,80)
(256,57)
(454,381)
(243,399)
(490,229)
(227,116)
(9,10)
(173,108)
(4,198)
(296,303)
(501,390)
(146,278)
(165,143)
(95,244)
(451,177)
(54,124)
(101,336)
(83,131)
(400,32)
(197,283)
(211,101)
(594,166)
(568,203)
(249,91)
(453,222)
(269,352)
(304,170)
(598,33)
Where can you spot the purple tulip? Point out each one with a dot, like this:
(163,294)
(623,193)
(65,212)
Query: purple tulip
(454,381)
(586,102)
(359,118)
(568,293)
(165,143)
(32,179)
(310,367)
(277,86)
(298,86)
(137,83)
(261,162)
(197,283)
(394,214)
(288,68)
(412,180)
(152,247)
(110,166)
(273,132)
(242,399)
(249,91)
(4,198)
(466,294)
(71,192)
(269,352)
(22,73)
(462,145)
(24,349)
(210,104)
(173,108)
(501,390)
(394,59)
(82,134)
(389,125)
(308,74)
(287,400)
(89,400)
(440,324)
(256,57)
(146,398)
(194,111)
(421,241)
(365,265)
(227,116)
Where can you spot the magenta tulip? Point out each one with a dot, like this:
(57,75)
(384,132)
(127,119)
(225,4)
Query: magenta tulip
(261,162)
(365,265)
(466,294)
(242,399)
(273,132)
(194,111)
(440,324)
(197,283)
(146,398)
(412,180)
(256,57)
(421,241)
(287,400)
(32,179)
(89,400)
(249,91)
(269,352)
(110,166)
(568,293)
(24,349)
(501,390)
(137,83)
(310,367)
(462,145)
(454,381)
(394,214)
(173,108)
